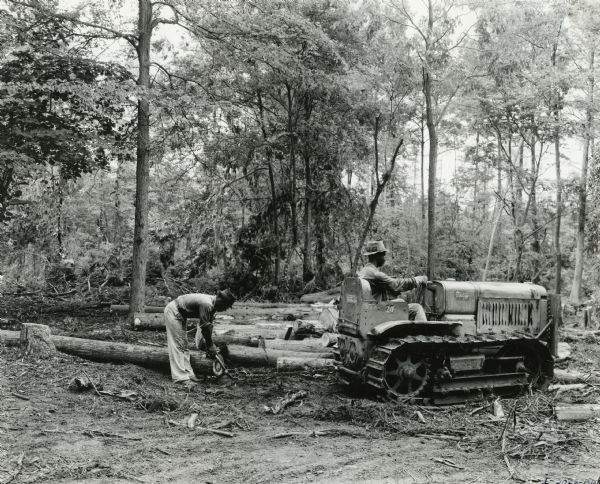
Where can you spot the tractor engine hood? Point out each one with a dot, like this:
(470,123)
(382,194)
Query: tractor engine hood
(459,297)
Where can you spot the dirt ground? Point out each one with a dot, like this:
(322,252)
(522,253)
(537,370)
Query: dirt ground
(51,433)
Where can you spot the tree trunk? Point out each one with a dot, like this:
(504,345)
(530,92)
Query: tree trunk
(373,205)
(140,235)
(274,207)
(577,276)
(307,270)
(476,179)
(535,224)
(422,167)
(497,211)
(431,191)
(117,238)
(59,212)
(557,253)
(292,134)
(557,110)
(275,218)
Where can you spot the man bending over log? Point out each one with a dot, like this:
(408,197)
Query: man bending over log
(202,307)
(383,287)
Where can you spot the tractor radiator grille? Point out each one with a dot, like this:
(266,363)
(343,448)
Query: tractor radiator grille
(498,314)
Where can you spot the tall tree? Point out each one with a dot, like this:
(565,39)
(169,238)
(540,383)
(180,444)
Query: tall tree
(436,41)
(149,16)
(576,287)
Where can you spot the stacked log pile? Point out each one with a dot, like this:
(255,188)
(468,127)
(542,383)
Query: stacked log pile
(255,334)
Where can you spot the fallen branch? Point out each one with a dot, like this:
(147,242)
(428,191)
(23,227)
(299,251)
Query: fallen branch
(222,433)
(511,469)
(279,407)
(313,433)
(22,397)
(446,462)
(478,409)
(439,436)
(100,433)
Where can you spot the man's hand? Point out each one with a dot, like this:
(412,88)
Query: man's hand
(211,351)
(421,280)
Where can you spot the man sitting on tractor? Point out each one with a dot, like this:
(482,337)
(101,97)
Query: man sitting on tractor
(384,287)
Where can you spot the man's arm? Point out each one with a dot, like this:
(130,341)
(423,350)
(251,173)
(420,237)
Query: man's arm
(394,285)
(211,349)
(205,324)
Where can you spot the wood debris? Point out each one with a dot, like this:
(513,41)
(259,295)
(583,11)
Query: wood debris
(498,410)
(566,388)
(192,420)
(446,462)
(222,433)
(284,402)
(100,433)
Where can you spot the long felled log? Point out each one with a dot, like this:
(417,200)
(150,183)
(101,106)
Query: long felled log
(243,310)
(309,345)
(267,331)
(246,356)
(151,356)
(574,376)
(126,353)
(293,363)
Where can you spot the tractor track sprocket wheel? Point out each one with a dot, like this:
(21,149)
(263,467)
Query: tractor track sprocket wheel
(405,374)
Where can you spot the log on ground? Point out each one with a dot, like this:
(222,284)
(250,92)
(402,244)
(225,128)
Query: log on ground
(574,376)
(304,327)
(577,412)
(294,363)
(309,345)
(246,356)
(10,338)
(241,310)
(151,356)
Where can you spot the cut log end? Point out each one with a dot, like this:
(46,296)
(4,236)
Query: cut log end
(36,341)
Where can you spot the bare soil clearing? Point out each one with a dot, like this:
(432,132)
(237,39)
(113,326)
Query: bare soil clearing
(136,429)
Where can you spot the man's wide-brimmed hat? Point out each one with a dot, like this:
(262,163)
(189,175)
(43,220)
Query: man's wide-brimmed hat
(374,247)
(227,296)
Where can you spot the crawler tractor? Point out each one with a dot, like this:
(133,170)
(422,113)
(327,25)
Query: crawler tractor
(480,337)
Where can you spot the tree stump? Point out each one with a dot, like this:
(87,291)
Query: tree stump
(36,340)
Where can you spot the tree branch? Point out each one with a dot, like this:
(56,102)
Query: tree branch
(131,38)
